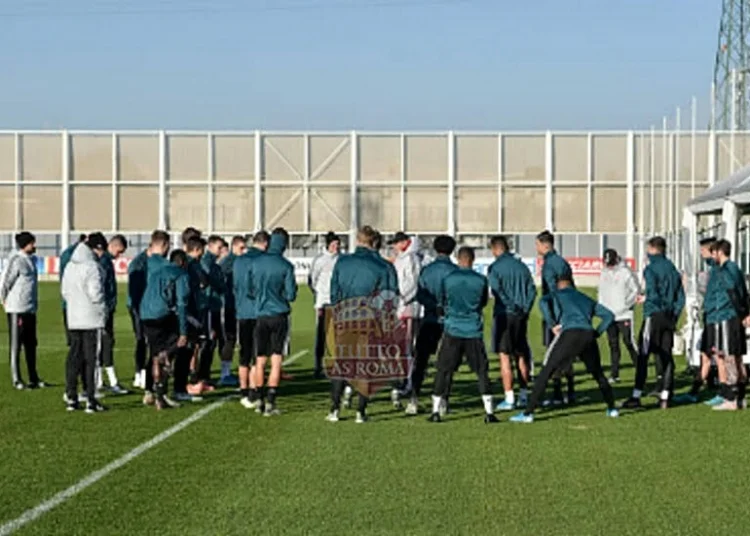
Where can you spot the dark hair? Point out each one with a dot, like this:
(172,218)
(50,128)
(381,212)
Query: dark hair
(81,237)
(377,239)
(178,257)
(707,242)
(237,239)
(159,236)
(261,237)
(24,238)
(188,233)
(611,257)
(213,239)
(723,246)
(97,241)
(195,243)
(500,241)
(545,237)
(466,253)
(331,237)
(658,243)
(121,239)
(444,244)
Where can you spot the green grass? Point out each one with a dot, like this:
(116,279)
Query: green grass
(233,472)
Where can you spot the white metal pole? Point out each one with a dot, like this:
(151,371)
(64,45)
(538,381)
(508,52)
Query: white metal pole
(353,197)
(211,165)
(258,190)
(652,183)
(713,107)
(65,223)
(734,121)
(693,126)
(664,176)
(17,174)
(629,204)
(402,184)
(589,182)
(451,184)
(115,173)
(306,184)
(674,176)
(162,180)
(548,179)
(641,183)
(500,165)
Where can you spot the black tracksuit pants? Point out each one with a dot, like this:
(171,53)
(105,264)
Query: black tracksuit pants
(337,389)
(22,334)
(452,352)
(560,355)
(656,337)
(624,328)
(212,327)
(85,346)
(140,339)
(227,336)
(428,341)
(108,341)
(320,340)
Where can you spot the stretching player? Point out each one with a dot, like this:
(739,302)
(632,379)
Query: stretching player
(554,267)
(569,313)
(662,306)
(247,314)
(726,306)
(228,335)
(618,292)
(514,292)
(463,297)
(358,275)
(274,288)
(431,328)
(165,320)
(319,282)
(116,247)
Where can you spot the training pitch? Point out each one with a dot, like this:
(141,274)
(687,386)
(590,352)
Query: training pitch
(217,468)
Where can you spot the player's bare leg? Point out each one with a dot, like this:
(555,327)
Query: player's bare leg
(523,379)
(506,375)
(274,379)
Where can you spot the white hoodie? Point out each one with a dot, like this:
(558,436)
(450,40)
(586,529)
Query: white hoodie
(18,284)
(319,280)
(83,290)
(618,290)
(408,266)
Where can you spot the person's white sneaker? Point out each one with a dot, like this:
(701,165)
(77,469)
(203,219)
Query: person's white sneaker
(333,416)
(443,409)
(361,418)
(396,399)
(117,390)
(184,397)
(138,382)
(412,408)
(246,403)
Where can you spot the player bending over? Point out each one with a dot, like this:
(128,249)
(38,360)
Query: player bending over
(570,313)
(463,297)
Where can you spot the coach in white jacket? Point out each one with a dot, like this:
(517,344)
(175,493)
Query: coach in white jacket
(408,265)
(18,293)
(86,310)
(319,280)
(618,290)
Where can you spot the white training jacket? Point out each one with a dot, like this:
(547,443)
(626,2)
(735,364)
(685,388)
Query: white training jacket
(408,266)
(618,290)
(18,284)
(319,278)
(83,290)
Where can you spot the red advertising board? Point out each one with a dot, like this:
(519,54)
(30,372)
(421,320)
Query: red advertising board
(587,265)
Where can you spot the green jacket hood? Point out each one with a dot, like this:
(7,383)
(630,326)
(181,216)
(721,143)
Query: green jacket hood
(277,245)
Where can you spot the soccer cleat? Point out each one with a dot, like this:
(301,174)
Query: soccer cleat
(613,413)
(229,381)
(184,397)
(137,383)
(715,401)
(333,416)
(435,417)
(169,402)
(569,399)
(260,406)
(19,386)
(361,418)
(148,399)
(94,407)
(521,404)
(412,408)
(522,418)
(504,406)
(396,399)
(159,404)
(271,410)
(613,380)
(38,385)
(247,403)
(632,403)
(72,405)
(686,398)
(489,418)
(443,410)
(117,390)
(727,405)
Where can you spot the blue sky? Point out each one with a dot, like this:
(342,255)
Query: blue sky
(372,64)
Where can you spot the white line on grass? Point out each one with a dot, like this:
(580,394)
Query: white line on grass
(30,515)
(294,357)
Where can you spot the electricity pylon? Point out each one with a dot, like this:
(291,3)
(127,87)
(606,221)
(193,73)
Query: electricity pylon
(731,74)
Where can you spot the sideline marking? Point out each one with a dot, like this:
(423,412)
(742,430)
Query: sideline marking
(34,513)
(294,357)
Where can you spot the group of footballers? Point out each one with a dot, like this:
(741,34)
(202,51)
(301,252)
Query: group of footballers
(210,295)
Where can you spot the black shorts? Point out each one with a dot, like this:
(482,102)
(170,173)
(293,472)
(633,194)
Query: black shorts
(135,320)
(725,338)
(271,335)
(657,334)
(162,334)
(246,338)
(454,349)
(229,324)
(428,339)
(509,335)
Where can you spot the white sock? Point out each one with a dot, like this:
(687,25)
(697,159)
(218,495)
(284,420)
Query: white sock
(510,398)
(347,391)
(487,401)
(98,380)
(523,395)
(436,400)
(637,393)
(226,369)
(142,378)
(665,395)
(112,376)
